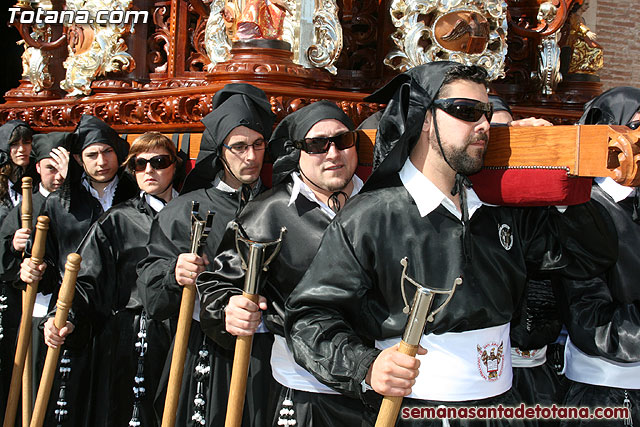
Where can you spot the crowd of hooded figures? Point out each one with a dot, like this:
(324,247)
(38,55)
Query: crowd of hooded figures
(545,310)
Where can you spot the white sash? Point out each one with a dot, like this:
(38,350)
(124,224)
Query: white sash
(288,373)
(583,368)
(461,366)
(41,306)
(528,359)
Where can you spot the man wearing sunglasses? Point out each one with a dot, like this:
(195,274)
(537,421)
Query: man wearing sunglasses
(315,160)
(347,315)
(226,176)
(602,314)
(94,183)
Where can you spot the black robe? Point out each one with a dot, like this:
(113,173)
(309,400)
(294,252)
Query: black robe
(107,298)
(72,210)
(602,315)
(262,220)
(169,237)
(351,291)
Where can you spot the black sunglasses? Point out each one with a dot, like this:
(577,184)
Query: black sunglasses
(634,124)
(162,161)
(322,144)
(469,110)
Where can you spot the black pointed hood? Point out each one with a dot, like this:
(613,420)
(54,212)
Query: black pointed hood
(91,130)
(237,104)
(45,142)
(6,130)
(408,97)
(295,127)
(616,106)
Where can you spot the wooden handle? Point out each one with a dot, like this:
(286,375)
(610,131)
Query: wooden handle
(238,387)
(179,355)
(27,203)
(24,336)
(65,298)
(390,407)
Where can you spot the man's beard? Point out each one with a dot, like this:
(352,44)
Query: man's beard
(458,157)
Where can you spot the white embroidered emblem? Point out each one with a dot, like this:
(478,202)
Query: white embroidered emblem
(491,361)
(526,354)
(506,236)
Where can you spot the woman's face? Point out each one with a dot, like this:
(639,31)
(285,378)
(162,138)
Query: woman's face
(20,152)
(154,181)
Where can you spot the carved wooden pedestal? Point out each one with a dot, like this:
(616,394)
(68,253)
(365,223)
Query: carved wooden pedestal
(266,61)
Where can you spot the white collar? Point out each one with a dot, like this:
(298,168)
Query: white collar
(45,193)
(616,191)
(155,203)
(223,186)
(109,191)
(428,197)
(15,196)
(299,187)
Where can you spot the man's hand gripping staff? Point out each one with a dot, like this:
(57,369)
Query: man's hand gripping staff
(418,317)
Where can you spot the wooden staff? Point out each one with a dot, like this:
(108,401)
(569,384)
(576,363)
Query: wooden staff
(253,267)
(24,336)
(419,315)
(27,373)
(242,353)
(65,298)
(199,233)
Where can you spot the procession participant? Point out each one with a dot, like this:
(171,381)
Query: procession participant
(13,240)
(602,315)
(225,177)
(536,323)
(433,133)
(314,175)
(95,182)
(133,347)
(15,151)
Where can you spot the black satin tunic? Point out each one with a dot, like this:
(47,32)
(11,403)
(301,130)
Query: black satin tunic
(71,215)
(169,237)
(603,313)
(262,220)
(106,296)
(352,290)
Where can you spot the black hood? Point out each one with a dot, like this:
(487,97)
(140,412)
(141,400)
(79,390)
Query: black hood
(295,127)
(616,106)
(45,142)
(408,97)
(6,130)
(237,104)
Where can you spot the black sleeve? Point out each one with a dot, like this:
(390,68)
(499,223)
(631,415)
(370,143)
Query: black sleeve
(599,325)
(579,243)
(9,258)
(161,294)
(324,308)
(216,287)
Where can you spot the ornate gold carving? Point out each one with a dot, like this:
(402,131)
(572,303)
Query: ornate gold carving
(95,50)
(466,31)
(549,60)
(587,56)
(35,62)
